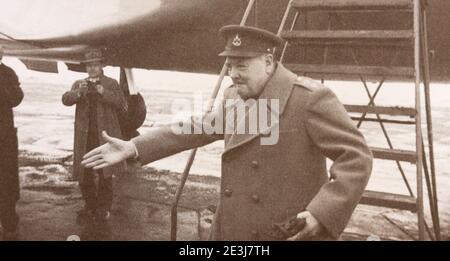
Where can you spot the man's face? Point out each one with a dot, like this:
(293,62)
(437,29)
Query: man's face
(249,75)
(94,69)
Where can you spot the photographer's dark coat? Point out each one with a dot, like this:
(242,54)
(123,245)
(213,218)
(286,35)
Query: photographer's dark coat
(110,105)
(263,185)
(10,96)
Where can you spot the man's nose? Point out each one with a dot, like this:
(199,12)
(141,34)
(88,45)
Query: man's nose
(234,74)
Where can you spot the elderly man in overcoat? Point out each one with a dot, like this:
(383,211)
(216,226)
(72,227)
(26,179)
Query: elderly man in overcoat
(99,103)
(266,184)
(11,95)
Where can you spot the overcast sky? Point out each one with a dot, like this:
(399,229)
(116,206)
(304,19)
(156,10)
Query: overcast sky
(51,18)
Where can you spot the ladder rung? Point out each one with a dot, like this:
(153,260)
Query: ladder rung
(383,199)
(355,42)
(397,155)
(349,35)
(406,72)
(383,120)
(394,111)
(352,4)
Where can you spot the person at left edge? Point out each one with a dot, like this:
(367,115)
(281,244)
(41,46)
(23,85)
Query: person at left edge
(11,95)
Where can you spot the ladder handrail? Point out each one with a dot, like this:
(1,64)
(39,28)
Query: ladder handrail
(426,80)
(283,24)
(419,164)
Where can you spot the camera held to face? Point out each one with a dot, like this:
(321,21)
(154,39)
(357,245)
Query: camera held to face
(92,87)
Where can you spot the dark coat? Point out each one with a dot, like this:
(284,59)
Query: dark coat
(263,185)
(10,96)
(110,105)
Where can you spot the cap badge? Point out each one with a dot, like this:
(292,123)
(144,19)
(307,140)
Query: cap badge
(237,41)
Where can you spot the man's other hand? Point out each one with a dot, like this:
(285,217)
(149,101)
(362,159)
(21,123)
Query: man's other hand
(110,153)
(312,229)
(82,89)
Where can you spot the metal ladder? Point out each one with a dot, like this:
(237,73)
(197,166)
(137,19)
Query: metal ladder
(400,40)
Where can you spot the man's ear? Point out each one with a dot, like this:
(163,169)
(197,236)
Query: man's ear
(269,62)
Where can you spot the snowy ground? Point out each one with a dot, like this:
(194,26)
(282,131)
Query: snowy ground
(46,126)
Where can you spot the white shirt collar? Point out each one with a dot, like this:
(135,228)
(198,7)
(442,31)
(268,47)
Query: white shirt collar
(94,79)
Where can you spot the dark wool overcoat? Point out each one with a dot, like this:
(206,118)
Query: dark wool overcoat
(11,95)
(109,106)
(265,184)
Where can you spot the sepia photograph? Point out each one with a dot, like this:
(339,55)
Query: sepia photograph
(225,120)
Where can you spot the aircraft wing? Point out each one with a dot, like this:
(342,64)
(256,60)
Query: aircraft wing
(158,34)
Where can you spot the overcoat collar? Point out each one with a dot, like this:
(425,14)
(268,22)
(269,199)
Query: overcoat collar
(279,87)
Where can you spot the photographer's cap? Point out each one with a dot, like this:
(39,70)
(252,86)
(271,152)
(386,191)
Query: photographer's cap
(93,56)
(247,41)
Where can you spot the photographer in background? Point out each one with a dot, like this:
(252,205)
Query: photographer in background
(10,96)
(99,105)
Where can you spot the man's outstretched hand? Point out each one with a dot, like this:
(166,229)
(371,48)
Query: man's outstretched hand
(110,153)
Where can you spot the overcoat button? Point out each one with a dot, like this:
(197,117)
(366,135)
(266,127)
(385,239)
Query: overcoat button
(255,198)
(255,164)
(228,192)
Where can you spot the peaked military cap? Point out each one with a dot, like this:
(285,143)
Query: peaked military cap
(93,56)
(247,41)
